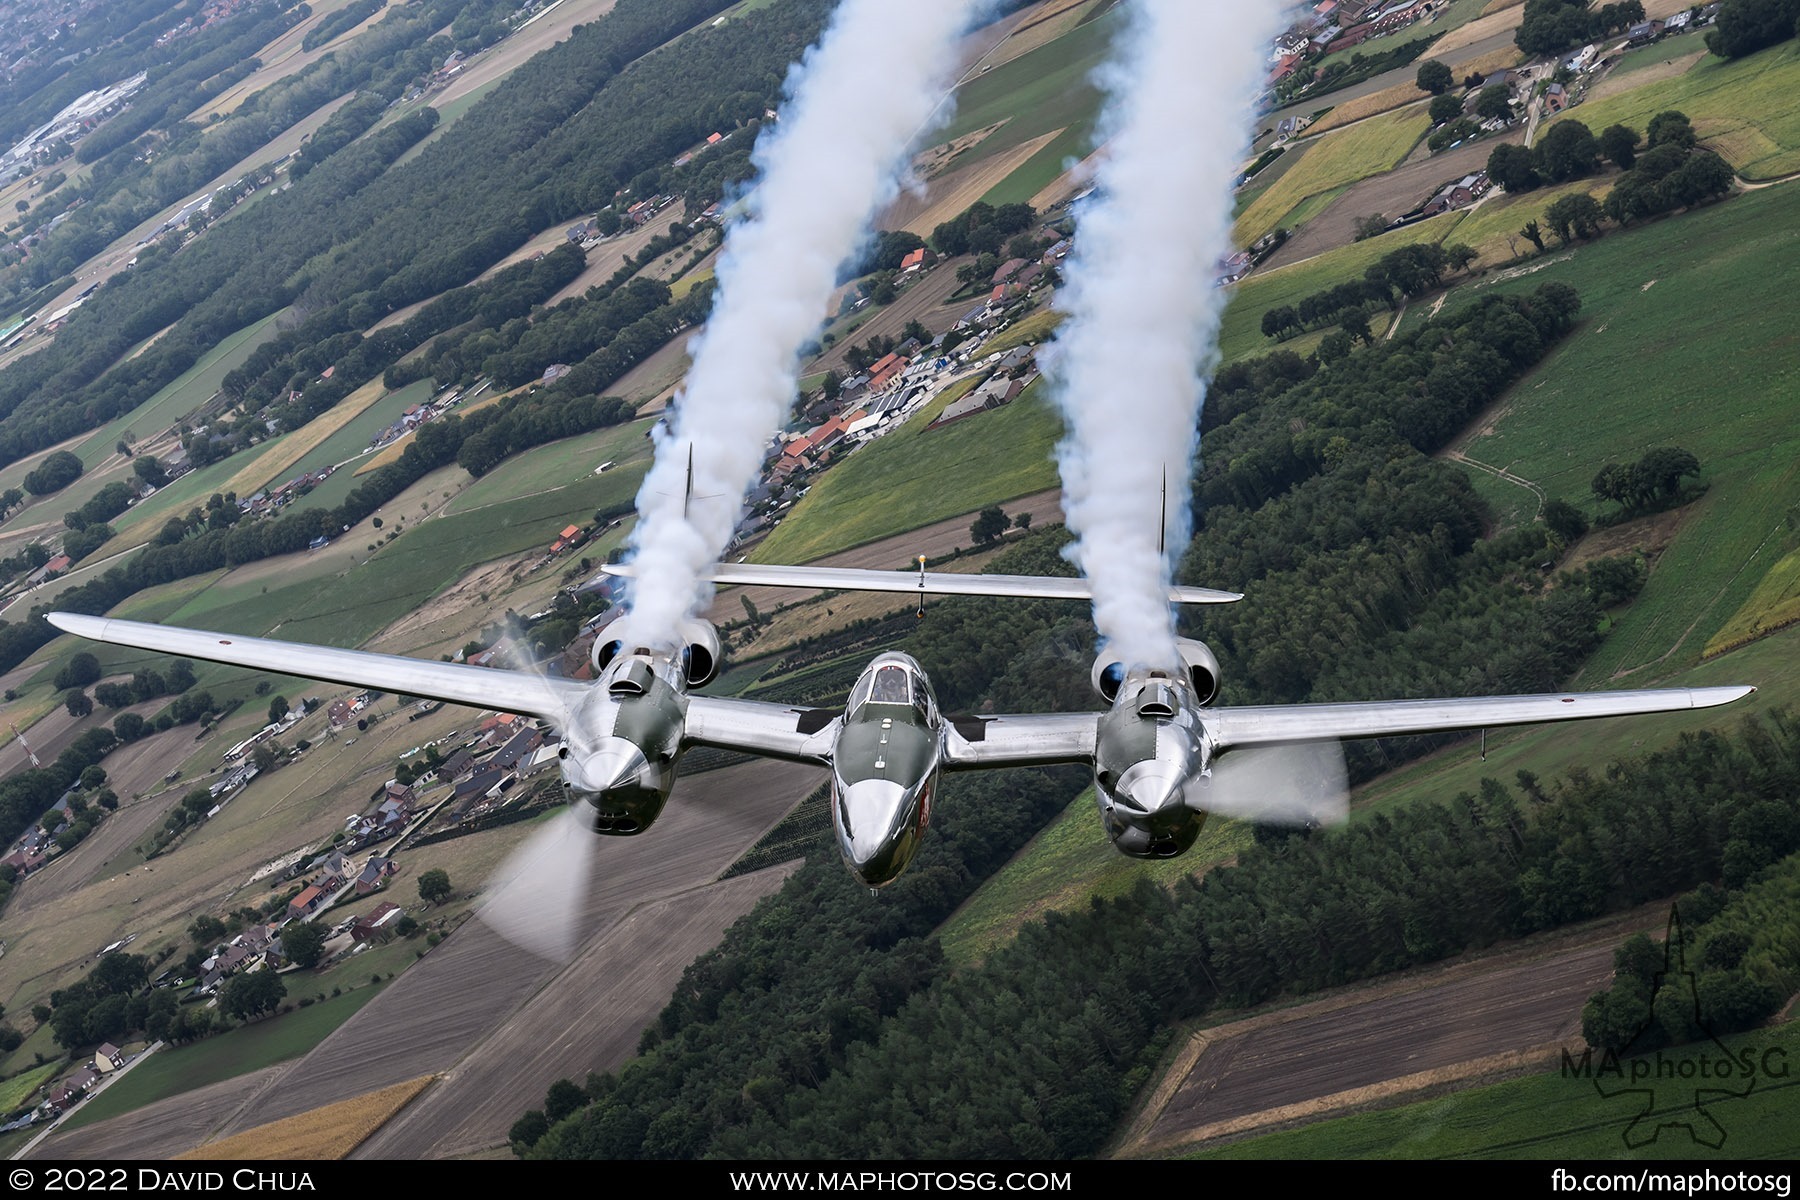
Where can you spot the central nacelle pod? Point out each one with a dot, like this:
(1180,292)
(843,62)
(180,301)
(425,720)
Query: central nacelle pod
(700,652)
(1151,756)
(1199,665)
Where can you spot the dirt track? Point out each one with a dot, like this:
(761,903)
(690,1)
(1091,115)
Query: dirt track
(442,1013)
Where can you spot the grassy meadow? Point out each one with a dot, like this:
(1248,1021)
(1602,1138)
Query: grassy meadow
(1747,109)
(1340,158)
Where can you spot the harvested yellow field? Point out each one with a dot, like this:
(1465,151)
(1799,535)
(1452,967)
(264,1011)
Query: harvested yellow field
(324,1133)
(1402,94)
(1367,148)
(1496,19)
(269,467)
(1500,6)
(1773,606)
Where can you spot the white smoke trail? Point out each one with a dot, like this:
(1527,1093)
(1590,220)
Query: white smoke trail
(858,101)
(1143,311)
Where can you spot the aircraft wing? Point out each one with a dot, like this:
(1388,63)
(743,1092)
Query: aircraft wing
(479,687)
(1239,728)
(928,583)
(769,730)
(1036,739)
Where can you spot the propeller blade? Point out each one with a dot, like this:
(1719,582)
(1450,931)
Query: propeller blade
(541,890)
(1300,784)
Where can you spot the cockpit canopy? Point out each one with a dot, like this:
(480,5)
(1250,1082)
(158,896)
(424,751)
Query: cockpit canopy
(888,686)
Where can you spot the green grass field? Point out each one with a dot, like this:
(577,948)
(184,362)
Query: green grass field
(15,1092)
(561,464)
(1048,89)
(184,395)
(1240,332)
(1340,158)
(249,1048)
(1069,862)
(915,476)
(1747,109)
(1685,341)
(1548,1116)
(1041,169)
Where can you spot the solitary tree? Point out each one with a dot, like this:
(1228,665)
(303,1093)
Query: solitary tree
(1619,144)
(304,943)
(278,708)
(252,994)
(434,885)
(1434,77)
(989,524)
(1494,103)
(1444,107)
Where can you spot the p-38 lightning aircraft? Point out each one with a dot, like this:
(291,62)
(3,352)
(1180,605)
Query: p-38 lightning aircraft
(1156,750)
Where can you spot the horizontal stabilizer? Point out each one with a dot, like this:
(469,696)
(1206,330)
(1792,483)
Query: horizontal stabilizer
(926,583)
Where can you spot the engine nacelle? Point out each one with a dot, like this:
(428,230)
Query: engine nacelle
(701,652)
(1202,668)
(1197,661)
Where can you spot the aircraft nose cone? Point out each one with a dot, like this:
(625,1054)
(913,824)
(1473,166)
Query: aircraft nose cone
(616,763)
(868,811)
(1151,786)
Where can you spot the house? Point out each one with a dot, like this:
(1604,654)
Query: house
(917,260)
(378,924)
(1644,32)
(108,1057)
(1008,269)
(302,906)
(374,874)
(1556,98)
(73,1088)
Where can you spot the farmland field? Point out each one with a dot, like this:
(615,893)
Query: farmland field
(915,476)
(331,1132)
(1368,148)
(1685,341)
(169,1072)
(1747,109)
(1046,90)
(1546,1116)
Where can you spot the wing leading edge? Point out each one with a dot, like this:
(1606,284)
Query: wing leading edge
(480,687)
(929,583)
(1242,728)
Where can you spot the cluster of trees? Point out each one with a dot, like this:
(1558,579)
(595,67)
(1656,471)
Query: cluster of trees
(1651,481)
(55,473)
(106,504)
(341,21)
(1746,26)
(982,228)
(1673,171)
(1409,271)
(280,379)
(1739,944)
(1549,26)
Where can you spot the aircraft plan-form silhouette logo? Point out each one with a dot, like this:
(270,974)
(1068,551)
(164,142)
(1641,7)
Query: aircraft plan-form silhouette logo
(1675,1086)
